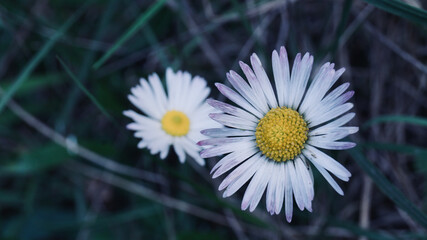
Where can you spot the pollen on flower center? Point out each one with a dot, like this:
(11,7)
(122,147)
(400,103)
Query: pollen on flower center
(175,123)
(281,134)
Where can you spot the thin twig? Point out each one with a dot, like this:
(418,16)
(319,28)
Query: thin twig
(395,48)
(147,193)
(365,204)
(85,153)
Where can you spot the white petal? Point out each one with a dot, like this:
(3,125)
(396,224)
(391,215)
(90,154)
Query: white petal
(331,145)
(226,132)
(264,81)
(227,148)
(337,92)
(141,122)
(329,178)
(323,160)
(317,89)
(179,151)
(332,134)
(146,104)
(236,98)
(255,84)
(232,121)
(289,201)
(231,160)
(330,115)
(257,186)
(241,174)
(222,141)
(159,92)
(235,111)
(295,185)
(246,91)
(336,123)
(280,187)
(284,63)
(279,78)
(305,180)
(302,79)
(270,195)
(328,104)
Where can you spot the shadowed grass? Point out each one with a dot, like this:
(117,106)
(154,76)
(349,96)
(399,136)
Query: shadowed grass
(402,9)
(396,118)
(84,90)
(142,19)
(388,188)
(26,72)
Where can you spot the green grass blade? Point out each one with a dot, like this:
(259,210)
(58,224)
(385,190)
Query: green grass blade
(358,231)
(143,18)
(401,9)
(397,118)
(393,147)
(388,188)
(84,90)
(37,58)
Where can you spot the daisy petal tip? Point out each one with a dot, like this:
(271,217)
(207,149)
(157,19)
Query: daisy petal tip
(127,113)
(288,218)
(203,153)
(252,207)
(213,115)
(244,66)
(275,54)
(255,59)
(204,132)
(245,205)
(219,86)
(215,174)
(282,50)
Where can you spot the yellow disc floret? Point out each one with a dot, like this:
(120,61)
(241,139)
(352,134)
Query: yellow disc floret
(175,123)
(281,134)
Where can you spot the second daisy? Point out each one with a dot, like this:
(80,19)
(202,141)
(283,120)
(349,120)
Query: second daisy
(174,119)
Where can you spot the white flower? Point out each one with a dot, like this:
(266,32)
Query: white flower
(174,119)
(274,140)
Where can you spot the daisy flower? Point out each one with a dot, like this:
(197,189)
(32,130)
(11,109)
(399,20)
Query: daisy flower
(174,119)
(272,138)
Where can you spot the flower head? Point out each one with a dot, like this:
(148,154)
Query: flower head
(174,119)
(272,138)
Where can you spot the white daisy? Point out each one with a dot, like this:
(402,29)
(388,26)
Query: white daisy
(174,119)
(274,140)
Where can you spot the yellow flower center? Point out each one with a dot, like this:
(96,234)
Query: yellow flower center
(281,134)
(175,123)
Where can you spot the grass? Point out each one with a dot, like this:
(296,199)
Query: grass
(71,170)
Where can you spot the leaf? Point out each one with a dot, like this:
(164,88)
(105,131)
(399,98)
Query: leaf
(84,89)
(388,188)
(393,147)
(37,83)
(26,72)
(397,118)
(401,9)
(39,159)
(360,231)
(143,18)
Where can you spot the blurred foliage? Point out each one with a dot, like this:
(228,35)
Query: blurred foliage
(68,67)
